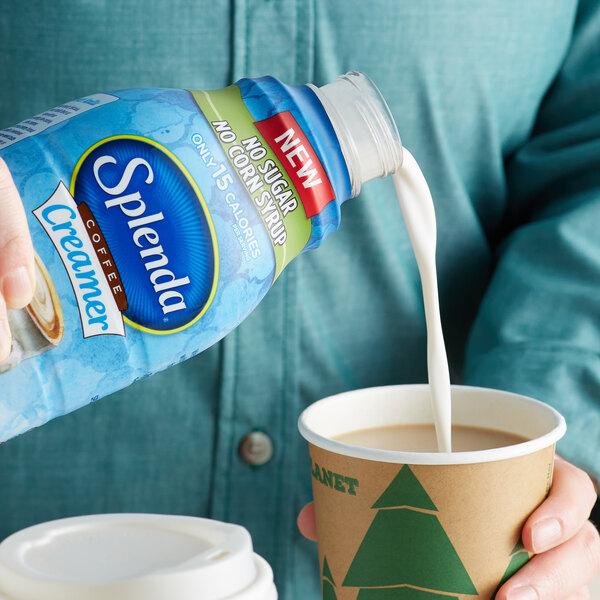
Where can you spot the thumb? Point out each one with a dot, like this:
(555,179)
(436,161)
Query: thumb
(17,277)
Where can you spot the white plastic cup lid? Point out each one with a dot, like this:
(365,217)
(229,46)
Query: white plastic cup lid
(131,557)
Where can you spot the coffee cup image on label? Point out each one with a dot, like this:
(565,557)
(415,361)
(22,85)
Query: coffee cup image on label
(40,325)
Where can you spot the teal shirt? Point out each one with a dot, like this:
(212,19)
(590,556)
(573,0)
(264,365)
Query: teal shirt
(500,104)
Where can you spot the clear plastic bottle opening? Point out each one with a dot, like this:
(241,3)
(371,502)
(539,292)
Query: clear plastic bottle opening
(364,126)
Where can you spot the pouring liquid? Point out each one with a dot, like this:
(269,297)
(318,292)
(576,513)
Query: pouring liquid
(417,208)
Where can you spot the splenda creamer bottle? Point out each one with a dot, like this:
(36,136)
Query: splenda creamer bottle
(161,217)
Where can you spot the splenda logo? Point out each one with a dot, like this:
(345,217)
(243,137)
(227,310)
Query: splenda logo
(157,228)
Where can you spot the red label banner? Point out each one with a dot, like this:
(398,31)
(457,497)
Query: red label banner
(299,159)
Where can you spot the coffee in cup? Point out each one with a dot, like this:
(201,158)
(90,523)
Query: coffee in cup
(422,438)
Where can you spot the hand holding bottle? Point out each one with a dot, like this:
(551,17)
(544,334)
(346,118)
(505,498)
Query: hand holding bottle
(17,277)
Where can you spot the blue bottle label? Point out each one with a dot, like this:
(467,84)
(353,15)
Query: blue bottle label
(160,219)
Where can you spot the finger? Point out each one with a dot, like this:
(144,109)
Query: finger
(559,573)
(17,277)
(5,337)
(307,523)
(581,594)
(564,512)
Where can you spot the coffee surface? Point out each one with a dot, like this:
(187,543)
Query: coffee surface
(422,438)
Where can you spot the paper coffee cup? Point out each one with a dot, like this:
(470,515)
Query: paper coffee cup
(425,526)
(133,557)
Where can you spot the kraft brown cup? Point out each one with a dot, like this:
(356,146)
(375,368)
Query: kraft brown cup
(425,526)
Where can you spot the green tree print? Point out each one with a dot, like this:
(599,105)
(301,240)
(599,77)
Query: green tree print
(406,548)
(519,556)
(328,582)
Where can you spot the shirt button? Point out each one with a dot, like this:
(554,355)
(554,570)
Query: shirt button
(256,448)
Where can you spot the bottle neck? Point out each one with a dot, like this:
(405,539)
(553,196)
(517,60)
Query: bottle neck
(364,127)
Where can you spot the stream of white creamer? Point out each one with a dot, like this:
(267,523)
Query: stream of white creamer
(419,215)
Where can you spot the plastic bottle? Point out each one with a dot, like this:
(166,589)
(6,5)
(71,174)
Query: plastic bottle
(133,557)
(161,218)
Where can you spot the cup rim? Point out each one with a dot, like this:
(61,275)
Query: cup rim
(434,458)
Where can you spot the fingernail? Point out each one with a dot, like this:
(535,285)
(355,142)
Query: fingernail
(546,534)
(523,593)
(16,288)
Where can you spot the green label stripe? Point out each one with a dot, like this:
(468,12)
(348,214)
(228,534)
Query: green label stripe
(234,127)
